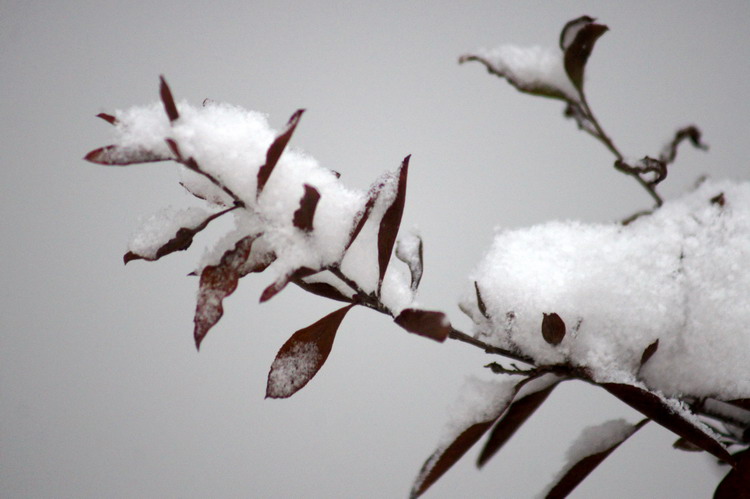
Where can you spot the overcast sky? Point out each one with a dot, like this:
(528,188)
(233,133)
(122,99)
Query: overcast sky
(103,393)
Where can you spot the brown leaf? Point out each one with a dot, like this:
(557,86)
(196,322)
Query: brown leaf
(736,484)
(166,98)
(434,325)
(391,222)
(649,351)
(743,403)
(219,281)
(580,470)
(553,329)
(122,156)
(275,149)
(690,133)
(577,40)
(303,217)
(519,411)
(108,118)
(302,356)
(652,406)
(686,445)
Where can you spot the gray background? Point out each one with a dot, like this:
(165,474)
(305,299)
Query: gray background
(103,394)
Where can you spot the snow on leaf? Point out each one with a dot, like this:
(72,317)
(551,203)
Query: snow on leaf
(275,149)
(115,155)
(280,283)
(525,403)
(577,40)
(168,100)
(594,445)
(657,408)
(434,325)
(478,416)
(302,356)
(303,217)
(219,281)
(410,251)
(391,222)
(179,240)
(322,289)
(553,328)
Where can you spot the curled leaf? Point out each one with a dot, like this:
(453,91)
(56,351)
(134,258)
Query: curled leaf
(690,133)
(280,283)
(303,217)
(577,41)
(391,222)
(411,252)
(553,329)
(275,149)
(302,356)
(434,325)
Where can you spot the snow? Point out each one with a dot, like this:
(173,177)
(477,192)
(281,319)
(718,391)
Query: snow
(159,228)
(291,371)
(678,275)
(533,66)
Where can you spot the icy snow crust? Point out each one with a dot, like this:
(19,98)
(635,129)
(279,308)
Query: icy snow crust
(679,275)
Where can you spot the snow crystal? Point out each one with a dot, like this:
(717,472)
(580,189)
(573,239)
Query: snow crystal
(533,66)
(678,275)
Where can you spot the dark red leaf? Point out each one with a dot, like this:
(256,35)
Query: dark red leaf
(364,213)
(108,118)
(581,38)
(122,156)
(275,149)
(553,329)
(391,222)
(519,411)
(649,351)
(303,217)
(736,484)
(280,283)
(302,356)
(480,302)
(219,281)
(434,325)
(442,460)
(322,289)
(580,470)
(652,406)
(166,98)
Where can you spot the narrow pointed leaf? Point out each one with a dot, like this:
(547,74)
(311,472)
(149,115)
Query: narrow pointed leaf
(219,281)
(275,149)
(434,325)
(517,414)
(108,118)
(302,356)
(391,222)
(578,50)
(322,289)
(580,470)
(303,217)
(656,408)
(553,329)
(686,445)
(736,484)
(114,155)
(649,351)
(280,283)
(480,302)
(362,216)
(167,100)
